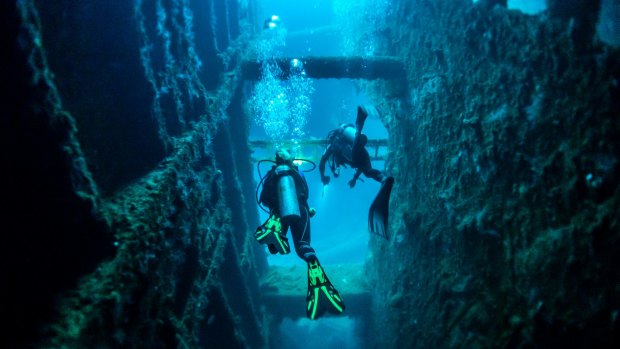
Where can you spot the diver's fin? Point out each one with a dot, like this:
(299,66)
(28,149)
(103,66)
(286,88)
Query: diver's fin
(322,296)
(363,111)
(362,114)
(379,210)
(270,234)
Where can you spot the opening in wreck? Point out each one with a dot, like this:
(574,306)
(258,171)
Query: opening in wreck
(309,96)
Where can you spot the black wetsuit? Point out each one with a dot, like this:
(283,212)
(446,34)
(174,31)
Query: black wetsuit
(300,227)
(340,152)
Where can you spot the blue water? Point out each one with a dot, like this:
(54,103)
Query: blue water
(528,6)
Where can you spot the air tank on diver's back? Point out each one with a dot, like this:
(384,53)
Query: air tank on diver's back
(287,194)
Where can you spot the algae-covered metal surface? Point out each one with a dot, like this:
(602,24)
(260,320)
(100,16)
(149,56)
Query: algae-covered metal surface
(505,154)
(121,249)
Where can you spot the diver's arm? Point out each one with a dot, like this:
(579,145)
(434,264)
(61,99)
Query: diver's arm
(357,174)
(328,151)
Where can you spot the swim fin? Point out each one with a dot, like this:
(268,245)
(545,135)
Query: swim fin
(363,111)
(322,296)
(270,234)
(362,114)
(379,210)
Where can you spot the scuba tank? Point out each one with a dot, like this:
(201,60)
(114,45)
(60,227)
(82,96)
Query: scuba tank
(287,193)
(348,131)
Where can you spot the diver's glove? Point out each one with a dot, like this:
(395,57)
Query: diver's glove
(352,182)
(325,180)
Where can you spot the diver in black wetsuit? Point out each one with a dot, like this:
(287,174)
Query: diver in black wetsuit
(285,193)
(294,211)
(347,146)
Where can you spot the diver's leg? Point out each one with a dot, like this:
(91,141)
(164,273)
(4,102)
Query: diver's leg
(300,231)
(360,141)
(374,174)
(322,296)
(359,154)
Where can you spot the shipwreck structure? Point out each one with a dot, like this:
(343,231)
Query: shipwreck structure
(128,195)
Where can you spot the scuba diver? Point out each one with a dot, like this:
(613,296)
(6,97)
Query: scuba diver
(347,147)
(285,194)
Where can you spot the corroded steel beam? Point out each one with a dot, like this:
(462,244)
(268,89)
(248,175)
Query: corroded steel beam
(368,68)
(373,146)
(271,144)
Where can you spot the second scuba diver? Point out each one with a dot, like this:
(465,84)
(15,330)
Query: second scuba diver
(285,194)
(347,147)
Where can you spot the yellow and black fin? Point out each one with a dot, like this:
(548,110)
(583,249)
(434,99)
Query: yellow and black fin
(322,295)
(270,234)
